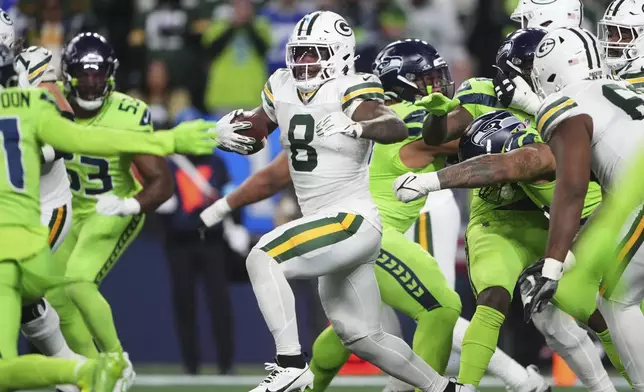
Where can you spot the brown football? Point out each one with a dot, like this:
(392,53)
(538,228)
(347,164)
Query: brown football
(258,131)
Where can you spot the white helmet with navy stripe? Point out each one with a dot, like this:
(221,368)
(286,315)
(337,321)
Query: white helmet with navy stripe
(565,56)
(548,14)
(621,26)
(320,48)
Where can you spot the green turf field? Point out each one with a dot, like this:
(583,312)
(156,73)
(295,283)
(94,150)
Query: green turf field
(336,389)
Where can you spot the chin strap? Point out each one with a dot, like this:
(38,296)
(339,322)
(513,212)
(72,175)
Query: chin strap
(89,105)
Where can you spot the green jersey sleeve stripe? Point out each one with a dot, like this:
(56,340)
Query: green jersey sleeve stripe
(367,85)
(553,111)
(479,99)
(375,96)
(268,100)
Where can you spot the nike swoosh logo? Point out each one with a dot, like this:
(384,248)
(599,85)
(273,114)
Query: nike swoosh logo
(407,181)
(365,78)
(285,387)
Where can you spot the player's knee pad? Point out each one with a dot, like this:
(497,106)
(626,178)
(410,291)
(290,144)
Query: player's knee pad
(39,319)
(328,351)
(258,264)
(437,320)
(560,331)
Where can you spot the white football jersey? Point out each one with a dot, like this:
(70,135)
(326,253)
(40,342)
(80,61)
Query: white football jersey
(328,173)
(54,185)
(617,111)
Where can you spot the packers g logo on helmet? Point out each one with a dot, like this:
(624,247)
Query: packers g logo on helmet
(545,47)
(5,18)
(343,28)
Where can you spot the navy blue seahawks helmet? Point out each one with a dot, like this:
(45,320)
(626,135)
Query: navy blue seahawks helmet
(487,134)
(516,53)
(406,68)
(88,66)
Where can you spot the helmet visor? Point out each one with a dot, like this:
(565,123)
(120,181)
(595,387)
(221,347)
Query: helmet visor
(437,80)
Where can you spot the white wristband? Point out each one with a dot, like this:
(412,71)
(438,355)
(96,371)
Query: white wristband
(215,213)
(132,206)
(552,269)
(358,129)
(430,182)
(48,153)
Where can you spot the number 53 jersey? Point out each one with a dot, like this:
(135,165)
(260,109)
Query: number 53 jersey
(617,111)
(92,176)
(329,173)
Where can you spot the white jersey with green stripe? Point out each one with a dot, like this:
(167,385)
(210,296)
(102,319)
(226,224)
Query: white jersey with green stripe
(617,112)
(328,173)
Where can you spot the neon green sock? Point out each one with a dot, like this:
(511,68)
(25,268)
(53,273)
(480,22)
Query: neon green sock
(37,371)
(72,324)
(433,337)
(329,355)
(479,344)
(609,347)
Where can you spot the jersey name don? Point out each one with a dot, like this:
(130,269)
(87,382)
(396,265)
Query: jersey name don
(328,172)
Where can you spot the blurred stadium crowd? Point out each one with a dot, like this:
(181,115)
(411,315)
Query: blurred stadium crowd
(203,58)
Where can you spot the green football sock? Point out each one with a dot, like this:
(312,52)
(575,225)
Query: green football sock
(479,344)
(37,371)
(97,315)
(609,347)
(10,303)
(72,324)
(433,337)
(329,355)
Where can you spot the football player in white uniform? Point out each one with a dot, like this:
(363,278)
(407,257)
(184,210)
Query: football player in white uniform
(31,67)
(328,117)
(548,14)
(621,33)
(591,122)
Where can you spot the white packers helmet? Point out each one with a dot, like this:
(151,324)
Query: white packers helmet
(321,47)
(565,56)
(7,39)
(622,24)
(548,14)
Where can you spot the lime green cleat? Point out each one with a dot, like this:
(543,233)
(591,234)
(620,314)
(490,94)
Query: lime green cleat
(108,371)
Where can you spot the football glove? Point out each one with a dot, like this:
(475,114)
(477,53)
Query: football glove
(338,123)
(215,213)
(538,284)
(412,186)
(227,136)
(515,92)
(438,104)
(196,137)
(33,66)
(111,205)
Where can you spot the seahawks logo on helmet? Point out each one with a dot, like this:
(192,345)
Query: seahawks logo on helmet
(342,27)
(5,18)
(388,64)
(546,47)
(493,126)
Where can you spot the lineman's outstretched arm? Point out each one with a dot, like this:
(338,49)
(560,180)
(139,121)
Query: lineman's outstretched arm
(438,130)
(526,164)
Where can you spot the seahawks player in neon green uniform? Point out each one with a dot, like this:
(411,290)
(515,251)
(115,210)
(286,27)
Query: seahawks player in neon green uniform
(107,216)
(507,228)
(29,118)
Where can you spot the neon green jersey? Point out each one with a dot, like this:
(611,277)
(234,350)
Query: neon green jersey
(386,166)
(29,118)
(478,98)
(542,194)
(90,176)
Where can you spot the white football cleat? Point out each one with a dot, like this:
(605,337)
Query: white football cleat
(534,383)
(285,379)
(127,380)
